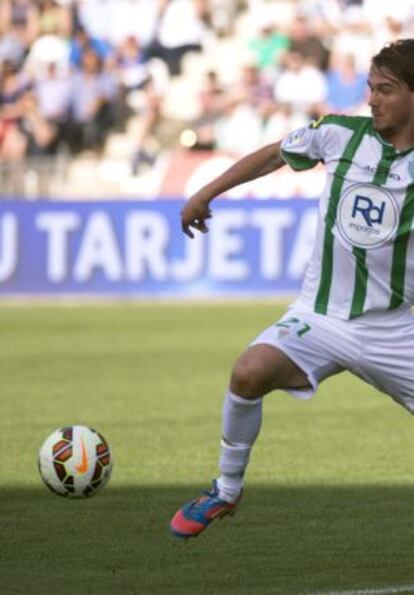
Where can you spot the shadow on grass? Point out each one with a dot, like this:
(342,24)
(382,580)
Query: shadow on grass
(284,540)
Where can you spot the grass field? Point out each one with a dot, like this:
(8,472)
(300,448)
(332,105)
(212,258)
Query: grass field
(329,502)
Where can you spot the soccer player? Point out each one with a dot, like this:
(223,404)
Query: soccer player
(354,309)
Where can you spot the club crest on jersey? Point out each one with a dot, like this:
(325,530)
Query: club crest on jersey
(367,216)
(296,138)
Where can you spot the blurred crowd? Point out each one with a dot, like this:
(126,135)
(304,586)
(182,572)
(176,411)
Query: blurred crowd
(74,71)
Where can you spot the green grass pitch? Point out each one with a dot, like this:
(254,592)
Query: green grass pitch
(329,498)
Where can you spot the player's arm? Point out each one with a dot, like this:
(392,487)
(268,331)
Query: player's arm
(197,210)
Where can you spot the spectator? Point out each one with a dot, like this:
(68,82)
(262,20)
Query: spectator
(301,85)
(283,120)
(41,51)
(17,29)
(250,100)
(346,86)
(254,88)
(224,16)
(212,105)
(105,20)
(180,30)
(81,41)
(394,26)
(52,92)
(94,93)
(38,134)
(12,46)
(355,38)
(53,19)
(304,42)
(27,133)
(322,15)
(131,64)
(18,17)
(12,146)
(13,84)
(53,23)
(90,66)
(376,14)
(239,130)
(267,47)
(147,144)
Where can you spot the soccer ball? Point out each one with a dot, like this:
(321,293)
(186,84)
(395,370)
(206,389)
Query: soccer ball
(75,461)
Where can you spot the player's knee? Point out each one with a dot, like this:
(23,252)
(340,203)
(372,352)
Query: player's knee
(245,380)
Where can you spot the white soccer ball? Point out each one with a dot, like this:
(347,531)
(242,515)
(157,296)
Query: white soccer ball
(75,461)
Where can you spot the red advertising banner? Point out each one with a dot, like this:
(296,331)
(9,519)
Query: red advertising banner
(187,171)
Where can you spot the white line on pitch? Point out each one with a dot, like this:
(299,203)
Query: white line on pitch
(382,591)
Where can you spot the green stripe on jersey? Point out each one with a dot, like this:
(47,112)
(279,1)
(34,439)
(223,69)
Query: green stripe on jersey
(298,162)
(399,255)
(322,297)
(361,271)
(354,123)
(361,282)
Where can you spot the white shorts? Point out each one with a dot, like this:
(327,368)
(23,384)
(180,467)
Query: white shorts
(378,347)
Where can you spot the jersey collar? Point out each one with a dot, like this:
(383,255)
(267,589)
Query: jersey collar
(392,150)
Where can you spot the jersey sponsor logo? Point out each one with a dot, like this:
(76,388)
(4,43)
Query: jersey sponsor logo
(367,216)
(373,170)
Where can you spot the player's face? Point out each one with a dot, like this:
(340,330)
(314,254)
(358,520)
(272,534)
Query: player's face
(391,103)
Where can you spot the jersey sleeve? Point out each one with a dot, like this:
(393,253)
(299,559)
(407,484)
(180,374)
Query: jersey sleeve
(304,148)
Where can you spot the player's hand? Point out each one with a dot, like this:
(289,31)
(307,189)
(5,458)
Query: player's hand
(194,214)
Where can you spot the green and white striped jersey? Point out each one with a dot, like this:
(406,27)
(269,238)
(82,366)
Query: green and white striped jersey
(363,258)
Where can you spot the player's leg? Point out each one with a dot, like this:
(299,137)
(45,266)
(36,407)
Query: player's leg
(261,369)
(386,360)
(287,355)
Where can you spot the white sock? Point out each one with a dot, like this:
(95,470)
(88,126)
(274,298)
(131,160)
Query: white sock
(242,419)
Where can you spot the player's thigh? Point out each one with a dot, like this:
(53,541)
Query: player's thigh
(263,368)
(294,354)
(388,362)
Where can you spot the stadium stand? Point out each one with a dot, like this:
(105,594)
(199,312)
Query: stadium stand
(97,98)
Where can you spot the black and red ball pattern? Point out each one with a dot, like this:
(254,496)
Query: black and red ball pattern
(63,451)
(103,459)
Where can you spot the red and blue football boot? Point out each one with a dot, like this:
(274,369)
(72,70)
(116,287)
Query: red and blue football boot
(195,516)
